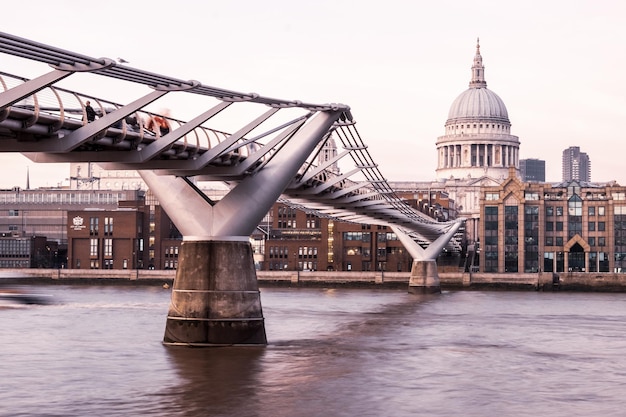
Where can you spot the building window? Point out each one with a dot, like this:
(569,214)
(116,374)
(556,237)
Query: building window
(93,226)
(559,210)
(549,226)
(559,226)
(601,211)
(549,241)
(549,210)
(93,248)
(591,210)
(601,241)
(592,226)
(354,250)
(531,238)
(591,241)
(510,239)
(490,245)
(353,236)
(601,226)
(108,248)
(558,240)
(108,226)
(492,196)
(391,236)
(575,206)
(548,261)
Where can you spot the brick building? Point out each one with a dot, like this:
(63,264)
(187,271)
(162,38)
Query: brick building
(571,226)
(137,235)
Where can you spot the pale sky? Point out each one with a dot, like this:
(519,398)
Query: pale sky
(559,66)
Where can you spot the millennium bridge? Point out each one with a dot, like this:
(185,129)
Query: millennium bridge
(309,156)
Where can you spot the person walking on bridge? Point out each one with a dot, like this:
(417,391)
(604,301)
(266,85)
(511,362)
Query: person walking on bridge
(91,113)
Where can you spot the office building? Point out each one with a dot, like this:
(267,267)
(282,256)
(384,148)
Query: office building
(532,170)
(566,227)
(576,165)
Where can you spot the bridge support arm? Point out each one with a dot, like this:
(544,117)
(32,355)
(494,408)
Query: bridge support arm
(243,208)
(215,298)
(424,277)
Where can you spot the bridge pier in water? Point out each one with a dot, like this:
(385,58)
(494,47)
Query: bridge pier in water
(424,278)
(215,297)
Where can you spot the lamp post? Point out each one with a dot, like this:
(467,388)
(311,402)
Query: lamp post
(295,261)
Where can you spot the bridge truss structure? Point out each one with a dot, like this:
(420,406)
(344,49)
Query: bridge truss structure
(310,156)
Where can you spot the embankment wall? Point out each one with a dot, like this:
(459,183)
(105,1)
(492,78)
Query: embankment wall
(573,281)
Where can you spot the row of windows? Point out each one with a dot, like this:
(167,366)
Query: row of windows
(292,224)
(575,226)
(357,236)
(171,250)
(381,253)
(479,126)
(534,195)
(14,245)
(283,252)
(64,198)
(287,224)
(14,263)
(94,248)
(302,266)
(574,209)
(94,226)
(286,212)
(171,264)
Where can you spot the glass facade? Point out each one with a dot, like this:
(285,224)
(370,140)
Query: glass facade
(511,226)
(490,243)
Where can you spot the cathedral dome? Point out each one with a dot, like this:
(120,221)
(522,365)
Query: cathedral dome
(478,141)
(478,103)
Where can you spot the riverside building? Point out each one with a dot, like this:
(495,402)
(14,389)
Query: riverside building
(568,227)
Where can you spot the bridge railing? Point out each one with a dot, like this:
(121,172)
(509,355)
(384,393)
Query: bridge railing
(63,108)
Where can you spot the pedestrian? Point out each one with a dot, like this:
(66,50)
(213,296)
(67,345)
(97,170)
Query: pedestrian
(162,124)
(158,121)
(91,113)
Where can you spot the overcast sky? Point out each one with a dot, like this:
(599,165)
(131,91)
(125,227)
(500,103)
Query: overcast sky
(559,66)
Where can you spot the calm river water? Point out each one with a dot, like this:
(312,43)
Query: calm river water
(96,351)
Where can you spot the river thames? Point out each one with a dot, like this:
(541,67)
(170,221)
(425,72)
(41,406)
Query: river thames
(97,351)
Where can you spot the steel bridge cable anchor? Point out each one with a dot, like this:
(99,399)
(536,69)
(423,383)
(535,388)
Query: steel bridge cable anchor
(189,85)
(238,99)
(104,63)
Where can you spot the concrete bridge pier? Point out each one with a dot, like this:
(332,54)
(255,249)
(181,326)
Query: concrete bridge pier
(215,297)
(424,278)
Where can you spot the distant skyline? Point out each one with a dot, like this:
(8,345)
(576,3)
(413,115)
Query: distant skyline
(558,67)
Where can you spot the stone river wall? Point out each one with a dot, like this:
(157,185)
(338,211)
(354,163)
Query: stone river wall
(545,281)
